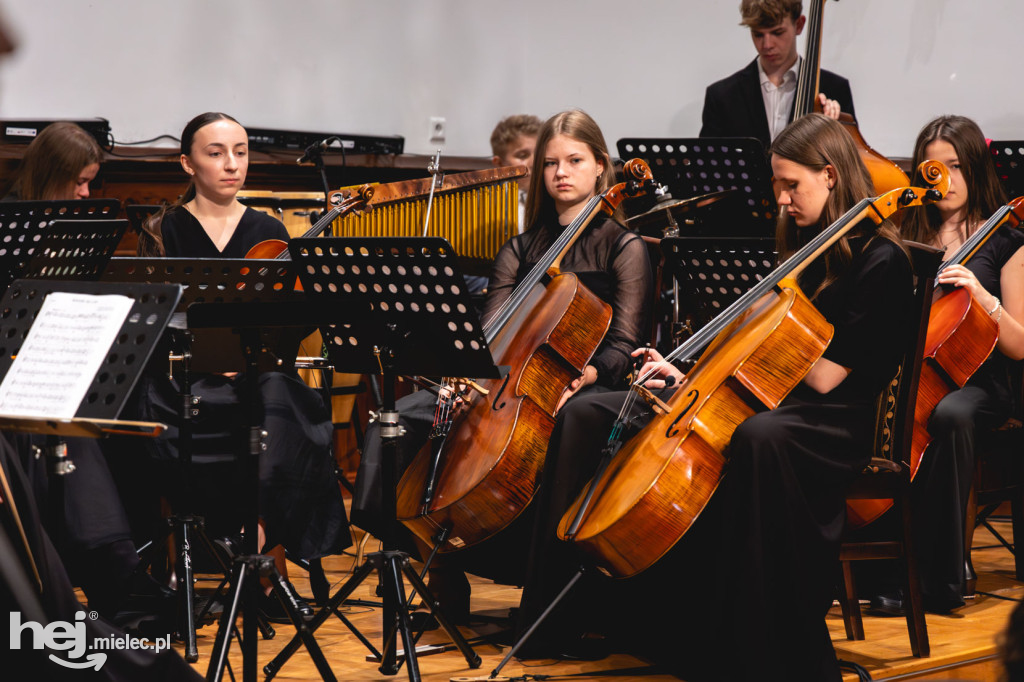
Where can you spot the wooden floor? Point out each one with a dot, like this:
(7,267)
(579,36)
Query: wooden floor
(963,644)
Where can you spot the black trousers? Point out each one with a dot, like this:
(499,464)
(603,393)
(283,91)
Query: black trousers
(943,484)
(773,527)
(784,509)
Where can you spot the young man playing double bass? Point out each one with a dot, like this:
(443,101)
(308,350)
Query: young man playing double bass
(757,101)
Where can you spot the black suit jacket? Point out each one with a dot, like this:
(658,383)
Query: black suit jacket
(733,106)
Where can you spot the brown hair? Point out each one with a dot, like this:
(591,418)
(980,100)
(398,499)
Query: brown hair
(579,126)
(816,141)
(985,193)
(151,242)
(768,13)
(53,162)
(510,128)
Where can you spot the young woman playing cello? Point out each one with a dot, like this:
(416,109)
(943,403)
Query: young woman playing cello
(994,276)
(781,506)
(571,166)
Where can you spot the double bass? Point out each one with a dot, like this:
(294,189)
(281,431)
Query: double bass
(885,174)
(488,464)
(758,350)
(961,335)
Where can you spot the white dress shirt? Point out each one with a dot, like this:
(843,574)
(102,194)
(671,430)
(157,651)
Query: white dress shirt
(778,101)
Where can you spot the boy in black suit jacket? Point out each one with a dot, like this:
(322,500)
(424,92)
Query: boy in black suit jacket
(757,101)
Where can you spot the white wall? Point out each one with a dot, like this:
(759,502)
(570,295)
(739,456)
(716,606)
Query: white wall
(386,66)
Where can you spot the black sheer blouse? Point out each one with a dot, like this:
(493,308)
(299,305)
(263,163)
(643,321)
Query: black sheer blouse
(610,261)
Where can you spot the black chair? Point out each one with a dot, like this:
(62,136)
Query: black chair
(888,474)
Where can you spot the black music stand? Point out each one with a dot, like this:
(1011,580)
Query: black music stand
(710,274)
(75,249)
(694,166)
(276,307)
(113,383)
(400,307)
(25,224)
(209,281)
(1008,156)
(138,214)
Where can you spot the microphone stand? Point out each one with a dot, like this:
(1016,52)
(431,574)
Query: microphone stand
(315,154)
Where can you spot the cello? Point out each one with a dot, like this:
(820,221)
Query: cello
(961,336)
(758,350)
(488,464)
(885,174)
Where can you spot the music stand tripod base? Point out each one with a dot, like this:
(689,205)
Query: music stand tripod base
(401,307)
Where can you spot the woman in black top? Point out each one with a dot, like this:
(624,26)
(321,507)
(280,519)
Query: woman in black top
(781,507)
(301,507)
(995,278)
(571,166)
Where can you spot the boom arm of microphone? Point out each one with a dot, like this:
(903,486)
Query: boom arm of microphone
(313,151)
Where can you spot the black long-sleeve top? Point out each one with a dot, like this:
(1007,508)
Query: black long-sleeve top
(610,261)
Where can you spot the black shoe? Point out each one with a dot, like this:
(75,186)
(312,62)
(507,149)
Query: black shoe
(149,609)
(887,605)
(581,647)
(893,604)
(274,611)
(588,647)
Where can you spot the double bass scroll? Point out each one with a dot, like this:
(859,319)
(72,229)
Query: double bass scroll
(885,174)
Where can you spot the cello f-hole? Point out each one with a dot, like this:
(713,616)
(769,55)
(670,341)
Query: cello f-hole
(669,432)
(494,405)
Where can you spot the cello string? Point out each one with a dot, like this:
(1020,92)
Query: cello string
(713,328)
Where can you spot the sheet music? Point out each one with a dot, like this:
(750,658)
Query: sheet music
(65,347)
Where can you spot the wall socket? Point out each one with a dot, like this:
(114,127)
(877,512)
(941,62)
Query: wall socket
(438,129)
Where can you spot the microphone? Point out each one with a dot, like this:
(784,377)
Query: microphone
(314,150)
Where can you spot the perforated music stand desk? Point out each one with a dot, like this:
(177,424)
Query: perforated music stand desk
(214,348)
(137,214)
(400,306)
(97,414)
(713,272)
(402,293)
(75,249)
(24,226)
(695,166)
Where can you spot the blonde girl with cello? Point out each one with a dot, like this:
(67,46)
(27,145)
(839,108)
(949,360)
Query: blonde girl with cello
(571,165)
(994,276)
(776,520)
